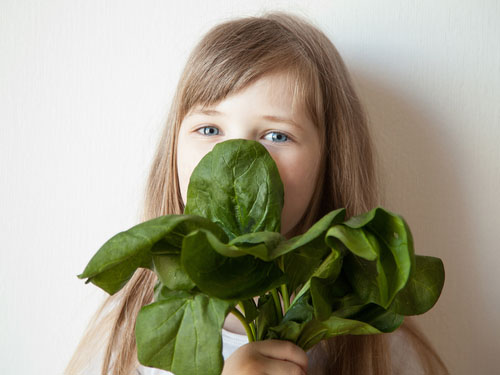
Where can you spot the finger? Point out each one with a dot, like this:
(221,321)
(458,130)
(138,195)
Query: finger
(273,366)
(283,350)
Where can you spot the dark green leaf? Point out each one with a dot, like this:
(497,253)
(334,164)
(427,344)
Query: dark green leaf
(180,226)
(423,288)
(263,245)
(305,253)
(267,317)
(117,260)
(170,272)
(376,316)
(181,333)
(250,310)
(301,310)
(321,284)
(308,334)
(237,185)
(381,254)
(226,277)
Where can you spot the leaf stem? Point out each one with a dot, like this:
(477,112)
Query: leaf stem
(243,321)
(284,289)
(252,328)
(251,324)
(285,296)
(277,303)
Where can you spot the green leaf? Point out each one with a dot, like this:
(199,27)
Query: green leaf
(351,307)
(250,310)
(300,326)
(321,284)
(117,260)
(315,331)
(179,226)
(170,272)
(423,288)
(356,240)
(322,298)
(237,186)
(301,310)
(308,334)
(263,245)
(226,277)
(379,318)
(181,333)
(267,317)
(381,254)
(305,253)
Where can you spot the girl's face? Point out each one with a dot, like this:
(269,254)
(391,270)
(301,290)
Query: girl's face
(262,112)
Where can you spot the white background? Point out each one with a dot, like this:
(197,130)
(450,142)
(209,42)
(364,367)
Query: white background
(84,91)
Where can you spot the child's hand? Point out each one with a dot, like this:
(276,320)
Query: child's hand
(267,357)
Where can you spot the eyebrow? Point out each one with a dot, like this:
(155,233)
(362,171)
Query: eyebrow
(213,112)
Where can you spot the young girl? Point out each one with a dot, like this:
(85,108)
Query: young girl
(279,80)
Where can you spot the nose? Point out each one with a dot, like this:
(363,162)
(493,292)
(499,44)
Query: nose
(241,131)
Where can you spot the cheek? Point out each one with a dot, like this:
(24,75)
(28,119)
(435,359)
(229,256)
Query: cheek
(299,176)
(187,159)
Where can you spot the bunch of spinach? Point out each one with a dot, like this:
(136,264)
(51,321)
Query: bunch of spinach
(356,276)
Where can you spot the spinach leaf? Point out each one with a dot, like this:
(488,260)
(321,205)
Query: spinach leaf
(304,253)
(305,331)
(237,186)
(225,277)
(181,332)
(380,254)
(423,289)
(117,260)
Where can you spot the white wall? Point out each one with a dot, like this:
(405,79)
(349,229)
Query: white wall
(84,90)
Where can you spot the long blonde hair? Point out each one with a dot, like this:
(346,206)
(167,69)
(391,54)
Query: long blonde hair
(229,57)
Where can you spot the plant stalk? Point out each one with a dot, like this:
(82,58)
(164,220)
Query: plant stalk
(277,304)
(251,324)
(286,297)
(283,287)
(241,318)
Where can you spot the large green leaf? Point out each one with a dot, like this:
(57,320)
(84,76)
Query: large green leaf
(303,254)
(381,254)
(117,260)
(226,277)
(321,284)
(180,226)
(237,186)
(423,288)
(181,333)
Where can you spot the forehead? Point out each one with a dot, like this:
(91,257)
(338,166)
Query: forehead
(274,94)
(280,90)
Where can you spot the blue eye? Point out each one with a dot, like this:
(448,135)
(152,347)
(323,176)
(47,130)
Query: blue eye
(208,130)
(277,137)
